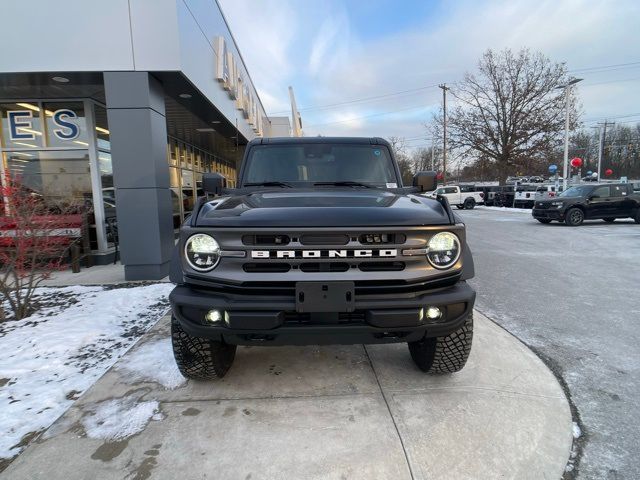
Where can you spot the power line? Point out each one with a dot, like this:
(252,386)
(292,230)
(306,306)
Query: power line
(605,67)
(365,99)
(367,116)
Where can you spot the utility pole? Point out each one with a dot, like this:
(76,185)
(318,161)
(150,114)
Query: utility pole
(444,132)
(567,91)
(433,155)
(602,126)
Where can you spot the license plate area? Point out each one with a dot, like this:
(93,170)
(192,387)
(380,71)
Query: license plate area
(325,297)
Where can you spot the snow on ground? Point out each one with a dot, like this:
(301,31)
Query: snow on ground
(504,209)
(120,418)
(142,364)
(50,358)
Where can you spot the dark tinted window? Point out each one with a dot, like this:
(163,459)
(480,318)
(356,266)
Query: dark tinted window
(312,163)
(619,190)
(450,190)
(601,192)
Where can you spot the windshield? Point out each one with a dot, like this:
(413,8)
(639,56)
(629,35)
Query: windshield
(580,191)
(304,165)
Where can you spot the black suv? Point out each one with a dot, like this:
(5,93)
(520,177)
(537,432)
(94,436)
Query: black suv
(321,244)
(585,202)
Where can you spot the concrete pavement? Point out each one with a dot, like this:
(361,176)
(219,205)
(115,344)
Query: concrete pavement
(340,412)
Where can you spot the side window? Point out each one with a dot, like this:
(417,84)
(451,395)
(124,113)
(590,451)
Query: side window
(450,190)
(619,190)
(440,191)
(601,192)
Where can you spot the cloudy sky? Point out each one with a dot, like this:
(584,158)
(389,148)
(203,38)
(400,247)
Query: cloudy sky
(337,54)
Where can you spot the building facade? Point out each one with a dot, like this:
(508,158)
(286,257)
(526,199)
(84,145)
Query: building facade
(122,105)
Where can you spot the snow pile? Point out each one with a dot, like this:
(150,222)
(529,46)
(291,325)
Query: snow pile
(120,418)
(50,358)
(154,361)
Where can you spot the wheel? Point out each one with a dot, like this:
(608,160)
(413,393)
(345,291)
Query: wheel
(574,217)
(200,358)
(459,207)
(444,354)
(543,220)
(609,220)
(469,203)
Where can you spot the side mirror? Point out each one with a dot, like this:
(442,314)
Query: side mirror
(213,183)
(425,181)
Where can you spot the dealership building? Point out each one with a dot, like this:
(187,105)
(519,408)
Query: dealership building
(122,105)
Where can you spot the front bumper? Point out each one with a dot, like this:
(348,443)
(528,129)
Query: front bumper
(548,213)
(250,320)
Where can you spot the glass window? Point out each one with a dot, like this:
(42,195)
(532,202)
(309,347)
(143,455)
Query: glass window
(450,190)
(314,162)
(21,125)
(600,192)
(619,190)
(59,177)
(66,125)
(102,128)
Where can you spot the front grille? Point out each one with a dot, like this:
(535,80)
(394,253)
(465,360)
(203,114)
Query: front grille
(382,266)
(382,238)
(266,239)
(324,239)
(266,267)
(324,267)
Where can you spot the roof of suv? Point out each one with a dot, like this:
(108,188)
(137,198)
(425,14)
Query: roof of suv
(329,140)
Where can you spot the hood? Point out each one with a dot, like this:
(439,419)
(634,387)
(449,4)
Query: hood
(340,207)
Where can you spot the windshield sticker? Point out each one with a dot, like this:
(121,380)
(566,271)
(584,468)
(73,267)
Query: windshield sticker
(392,185)
(376,153)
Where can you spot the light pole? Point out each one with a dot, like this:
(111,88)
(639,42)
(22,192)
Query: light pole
(567,90)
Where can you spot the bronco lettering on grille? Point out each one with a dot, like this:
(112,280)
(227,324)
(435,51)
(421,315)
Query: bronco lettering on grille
(266,254)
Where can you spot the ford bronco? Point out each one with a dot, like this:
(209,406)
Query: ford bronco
(320,243)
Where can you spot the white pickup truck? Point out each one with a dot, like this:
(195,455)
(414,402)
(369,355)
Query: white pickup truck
(461,197)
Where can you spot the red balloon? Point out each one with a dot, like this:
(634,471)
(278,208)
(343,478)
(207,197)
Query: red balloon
(608,172)
(576,162)
(439,176)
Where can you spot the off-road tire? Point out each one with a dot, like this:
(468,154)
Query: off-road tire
(543,220)
(469,203)
(574,217)
(200,358)
(609,219)
(447,354)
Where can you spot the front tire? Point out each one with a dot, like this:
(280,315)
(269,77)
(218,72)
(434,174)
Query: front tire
(200,358)
(446,354)
(574,217)
(469,204)
(543,220)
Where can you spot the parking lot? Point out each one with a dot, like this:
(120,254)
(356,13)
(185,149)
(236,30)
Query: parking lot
(572,295)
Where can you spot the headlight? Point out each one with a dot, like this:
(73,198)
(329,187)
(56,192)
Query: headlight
(202,252)
(443,250)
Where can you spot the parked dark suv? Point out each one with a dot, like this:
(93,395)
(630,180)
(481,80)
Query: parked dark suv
(585,202)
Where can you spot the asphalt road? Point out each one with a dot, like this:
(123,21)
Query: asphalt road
(573,294)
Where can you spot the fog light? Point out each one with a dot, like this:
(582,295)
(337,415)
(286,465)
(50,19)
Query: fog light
(433,313)
(213,316)
(421,314)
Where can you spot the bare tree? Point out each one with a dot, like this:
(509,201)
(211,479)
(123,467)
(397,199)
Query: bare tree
(32,244)
(510,110)
(399,147)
